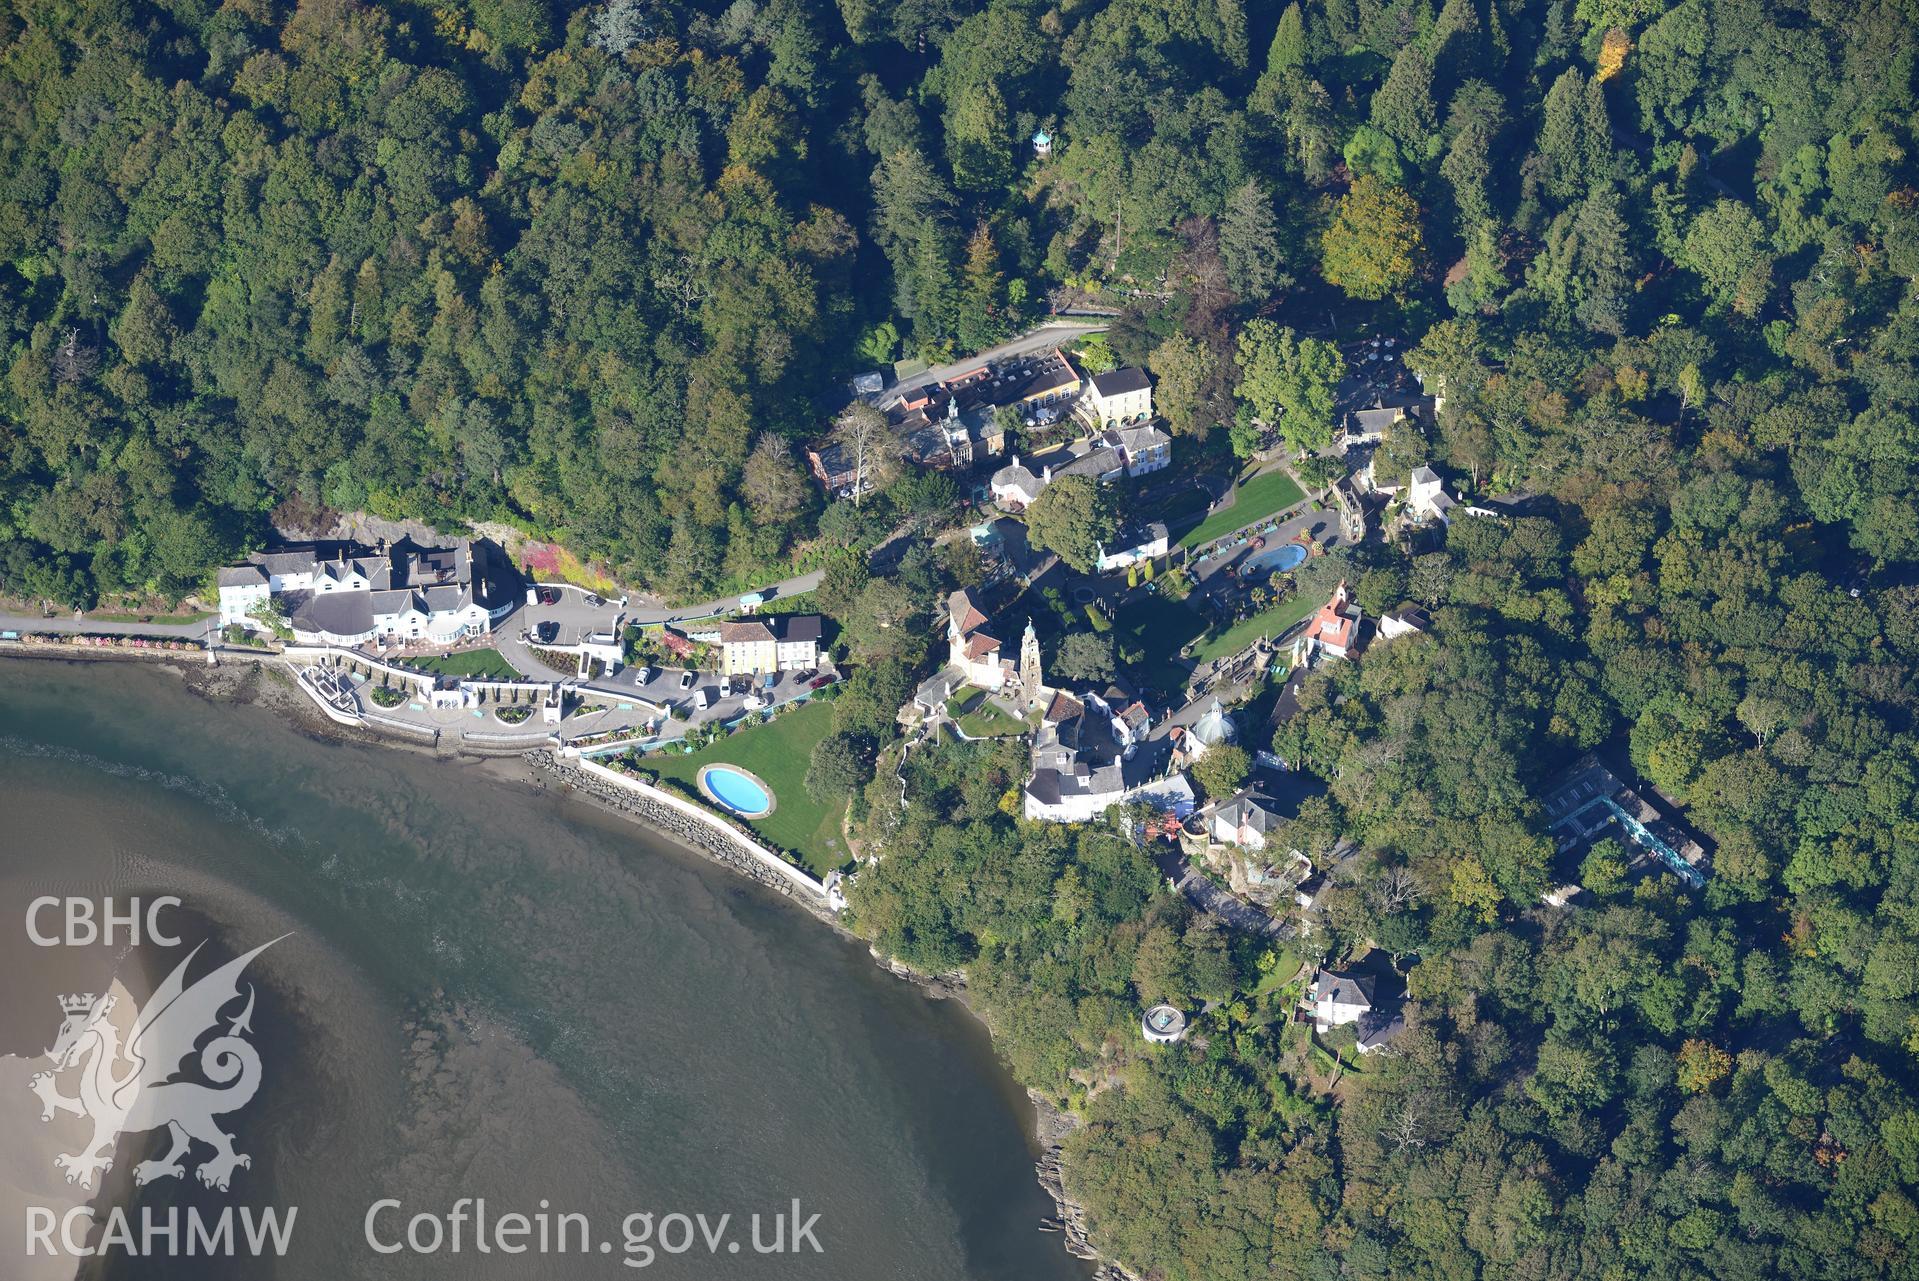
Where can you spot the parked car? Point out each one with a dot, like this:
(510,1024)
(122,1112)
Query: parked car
(549,596)
(642,674)
(595,601)
(702,699)
(819,681)
(547,632)
(686,680)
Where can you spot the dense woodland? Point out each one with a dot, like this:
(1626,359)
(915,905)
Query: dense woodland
(596,271)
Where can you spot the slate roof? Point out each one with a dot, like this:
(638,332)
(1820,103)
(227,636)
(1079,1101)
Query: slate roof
(1377,1027)
(795,628)
(339,613)
(1118,382)
(1343,989)
(1055,375)
(1251,810)
(1370,422)
(1018,476)
(1139,536)
(1096,463)
(1138,438)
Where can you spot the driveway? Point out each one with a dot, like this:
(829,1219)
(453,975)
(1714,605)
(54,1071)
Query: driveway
(794,586)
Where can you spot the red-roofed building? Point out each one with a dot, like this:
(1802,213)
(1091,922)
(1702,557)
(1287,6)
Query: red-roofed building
(1333,631)
(977,657)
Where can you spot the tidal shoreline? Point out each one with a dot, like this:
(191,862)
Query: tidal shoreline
(248,680)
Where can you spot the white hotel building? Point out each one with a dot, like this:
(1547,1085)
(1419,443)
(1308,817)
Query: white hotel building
(342,594)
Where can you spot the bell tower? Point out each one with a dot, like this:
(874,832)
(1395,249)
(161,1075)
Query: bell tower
(1032,678)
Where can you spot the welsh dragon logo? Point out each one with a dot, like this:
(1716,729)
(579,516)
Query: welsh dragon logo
(143,1095)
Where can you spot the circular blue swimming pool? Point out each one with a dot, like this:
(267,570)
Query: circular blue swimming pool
(1273,560)
(737,790)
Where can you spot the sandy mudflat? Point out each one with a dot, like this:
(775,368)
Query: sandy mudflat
(29,1180)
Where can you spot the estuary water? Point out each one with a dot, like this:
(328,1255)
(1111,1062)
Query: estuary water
(484,992)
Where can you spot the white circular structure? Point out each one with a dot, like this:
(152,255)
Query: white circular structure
(1162,1025)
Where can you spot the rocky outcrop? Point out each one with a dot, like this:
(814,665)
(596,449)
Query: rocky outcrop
(1052,1128)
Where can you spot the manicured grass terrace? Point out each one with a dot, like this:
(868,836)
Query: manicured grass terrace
(481,664)
(1264,495)
(979,717)
(778,752)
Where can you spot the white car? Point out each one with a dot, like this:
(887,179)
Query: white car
(686,680)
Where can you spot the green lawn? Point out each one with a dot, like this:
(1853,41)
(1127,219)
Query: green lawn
(1269,622)
(1281,973)
(979,716)
(484,664)
(1260,497)
(779,753)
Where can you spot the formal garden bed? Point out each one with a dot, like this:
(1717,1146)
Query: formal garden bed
(479,664)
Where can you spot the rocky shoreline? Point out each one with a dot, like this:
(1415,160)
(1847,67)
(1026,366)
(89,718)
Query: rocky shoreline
(1051,1128)
(251,680)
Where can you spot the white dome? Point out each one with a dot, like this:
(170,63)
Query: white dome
(1214,726)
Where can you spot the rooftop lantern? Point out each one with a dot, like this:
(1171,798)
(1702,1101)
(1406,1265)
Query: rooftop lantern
(1042,143)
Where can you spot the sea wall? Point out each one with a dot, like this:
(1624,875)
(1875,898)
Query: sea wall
(706,832)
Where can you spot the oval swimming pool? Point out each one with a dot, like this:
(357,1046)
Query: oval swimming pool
(1285,556)
(736,790)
